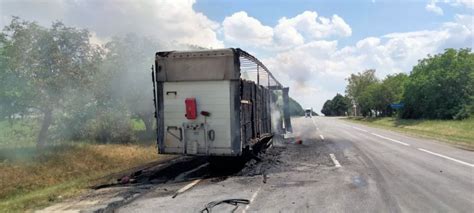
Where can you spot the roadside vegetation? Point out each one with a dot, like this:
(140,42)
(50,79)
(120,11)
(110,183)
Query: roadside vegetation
(32,178)
(63,171)
(71,111)
(436,99)
(70,89)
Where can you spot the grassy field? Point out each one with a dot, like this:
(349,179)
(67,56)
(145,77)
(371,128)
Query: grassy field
(30,179)
(458,132)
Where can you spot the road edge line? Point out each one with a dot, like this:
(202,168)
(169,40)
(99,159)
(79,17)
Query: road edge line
(334,160)
(446,157)
(393,140)
(252,199)
(187,187)
(362,130)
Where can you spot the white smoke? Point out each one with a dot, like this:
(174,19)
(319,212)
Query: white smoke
(169,20)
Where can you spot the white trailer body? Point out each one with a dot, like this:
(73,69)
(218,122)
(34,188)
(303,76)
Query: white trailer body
(212,97)
(201,106)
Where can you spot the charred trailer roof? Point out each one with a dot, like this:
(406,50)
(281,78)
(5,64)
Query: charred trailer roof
(218,64)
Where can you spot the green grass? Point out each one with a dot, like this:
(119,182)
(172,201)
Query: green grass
(458,132)
(45,196)
(138,125)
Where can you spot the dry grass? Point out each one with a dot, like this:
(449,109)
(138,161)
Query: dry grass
(62,171)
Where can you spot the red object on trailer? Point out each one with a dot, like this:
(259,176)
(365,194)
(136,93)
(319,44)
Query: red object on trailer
(191,108)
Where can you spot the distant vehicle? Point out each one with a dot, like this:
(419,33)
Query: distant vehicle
(308,112)
(205,107)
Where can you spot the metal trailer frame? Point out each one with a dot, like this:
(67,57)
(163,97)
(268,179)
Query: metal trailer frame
(251,95)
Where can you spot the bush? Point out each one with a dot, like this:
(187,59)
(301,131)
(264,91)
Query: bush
(71,126)
(465,112)
(111,128)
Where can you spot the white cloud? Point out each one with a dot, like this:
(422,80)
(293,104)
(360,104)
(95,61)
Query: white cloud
(167,20)
(310,61)
(432,7)
(307,26)
(318,68)
(465,3)
(465,20)
(239,27)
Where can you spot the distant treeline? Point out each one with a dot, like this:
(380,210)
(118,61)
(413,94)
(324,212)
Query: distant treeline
(296,109)
(338,106)
(438,87)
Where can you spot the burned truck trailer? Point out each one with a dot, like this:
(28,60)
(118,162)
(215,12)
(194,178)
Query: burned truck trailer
(214,102)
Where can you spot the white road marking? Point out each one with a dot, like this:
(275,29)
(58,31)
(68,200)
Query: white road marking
(334,160)
(363,130)
(393,140)
(405,144)
(190,185)
(314,123)
(252,199)
(322,137)
(446,157)
(182,175)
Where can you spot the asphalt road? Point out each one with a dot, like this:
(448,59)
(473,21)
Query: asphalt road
(340,167)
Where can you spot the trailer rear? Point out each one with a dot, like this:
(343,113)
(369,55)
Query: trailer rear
(213,102)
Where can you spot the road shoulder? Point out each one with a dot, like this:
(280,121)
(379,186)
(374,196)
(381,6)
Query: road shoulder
(462,144)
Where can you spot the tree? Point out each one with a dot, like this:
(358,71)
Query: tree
(338,106)
(375,99)
(6,110)
(395,85)
(441,86)
(327,108)
(128,69)
(50,63)
(392,89)
(357,83)
(295,108)
(15,93)
(371,100)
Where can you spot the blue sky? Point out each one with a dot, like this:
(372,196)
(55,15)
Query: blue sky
(310,46)
(366,17)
